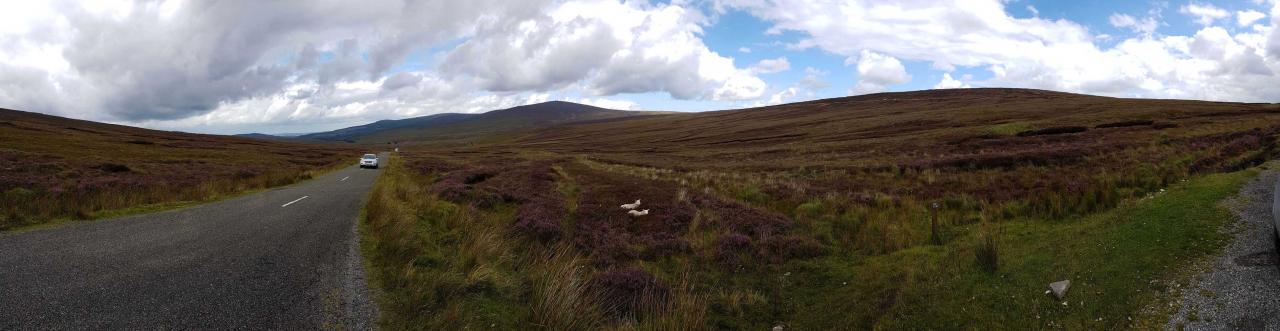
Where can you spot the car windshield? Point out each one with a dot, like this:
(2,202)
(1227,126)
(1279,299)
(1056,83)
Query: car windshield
(370,156)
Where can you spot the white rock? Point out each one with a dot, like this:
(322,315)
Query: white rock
(1059,288)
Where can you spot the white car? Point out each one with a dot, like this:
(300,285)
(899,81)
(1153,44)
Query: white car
(369,161)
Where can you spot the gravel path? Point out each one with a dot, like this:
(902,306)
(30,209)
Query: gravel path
(1241,289)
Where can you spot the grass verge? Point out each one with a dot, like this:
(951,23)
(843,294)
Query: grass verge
(1119,262)
(205,197)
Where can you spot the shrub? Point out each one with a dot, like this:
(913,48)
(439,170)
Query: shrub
(19,195)
(740,218)
(625,291)
(810,209)
(661,245)
(540,220)
(1053,131)
(113,167)
(561,298)
(783,248)
(734,250)
(1006,129)
(1123,124)
(987,253)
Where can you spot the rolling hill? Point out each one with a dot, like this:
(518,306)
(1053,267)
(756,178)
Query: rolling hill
(455,126)
(888,129)
(59,168)
(898,210)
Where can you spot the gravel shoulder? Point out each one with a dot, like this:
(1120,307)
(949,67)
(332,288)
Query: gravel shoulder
(1239,289)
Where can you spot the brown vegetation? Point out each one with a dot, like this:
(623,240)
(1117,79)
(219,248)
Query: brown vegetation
(742,202)
(57,168)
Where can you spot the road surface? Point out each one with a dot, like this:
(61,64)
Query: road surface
(286,258)
(1240,290)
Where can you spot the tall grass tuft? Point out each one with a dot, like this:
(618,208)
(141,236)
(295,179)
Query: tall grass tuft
(988,251)
(560,298)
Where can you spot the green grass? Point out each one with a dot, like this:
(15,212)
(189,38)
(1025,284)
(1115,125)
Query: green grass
(1119,263)
(437,265)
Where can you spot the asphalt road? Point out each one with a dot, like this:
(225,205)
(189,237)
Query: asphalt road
(281,259)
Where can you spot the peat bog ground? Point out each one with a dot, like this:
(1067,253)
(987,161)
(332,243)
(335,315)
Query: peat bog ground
(938,209)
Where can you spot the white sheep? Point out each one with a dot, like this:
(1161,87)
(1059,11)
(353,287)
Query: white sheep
(638,212)
(631,206)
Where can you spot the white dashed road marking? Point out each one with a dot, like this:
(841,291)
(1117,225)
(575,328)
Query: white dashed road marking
(344,179)
(291,202)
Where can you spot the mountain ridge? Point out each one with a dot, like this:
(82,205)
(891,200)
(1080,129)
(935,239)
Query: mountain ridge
(467,125)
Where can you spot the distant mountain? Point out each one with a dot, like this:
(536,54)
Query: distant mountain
(876,124)
(453,125)
(261,136)
(357,132)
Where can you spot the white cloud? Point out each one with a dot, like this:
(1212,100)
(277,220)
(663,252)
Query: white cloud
(783,96)
(744,50)
(1055,54)
(1204,14)
(877,71)
(1146,25)
(169,62)
(769,66)
(1247,17)
(950,83)
(1034,12)
(613,47)
(607,103)
(813,79)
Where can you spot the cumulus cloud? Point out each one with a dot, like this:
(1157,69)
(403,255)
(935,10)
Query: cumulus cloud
(1035,52)
(1273,42)
(1204,14)
(187,61)
(1247,17)
(950,83)
(769,66)
(607,103)
(171,59)
(813,79)
(876,72)
(192,63)
(783,96)
(1146,25)
(614,47)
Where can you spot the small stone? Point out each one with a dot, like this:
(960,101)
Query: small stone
(777,328)
(1059,288)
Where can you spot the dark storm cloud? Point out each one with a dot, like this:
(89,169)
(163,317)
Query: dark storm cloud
(149,67)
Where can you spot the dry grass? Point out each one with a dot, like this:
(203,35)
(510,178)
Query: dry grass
(780,215)
(54,168)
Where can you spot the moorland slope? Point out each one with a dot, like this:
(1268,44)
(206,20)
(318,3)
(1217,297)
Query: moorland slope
(452,126)
(59,168)
(945,209)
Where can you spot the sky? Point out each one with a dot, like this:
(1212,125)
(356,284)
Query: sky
(300,66)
